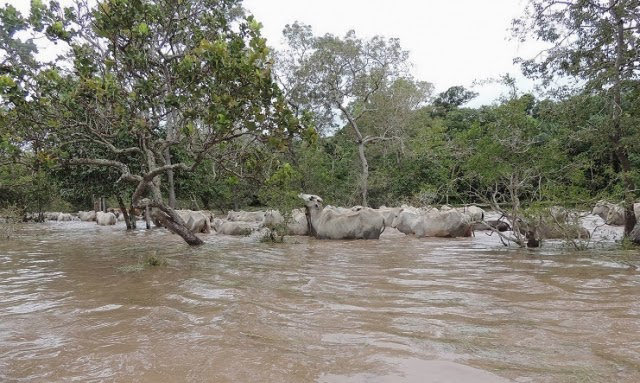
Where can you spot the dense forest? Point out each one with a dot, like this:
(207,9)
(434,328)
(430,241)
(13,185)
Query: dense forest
(182,104)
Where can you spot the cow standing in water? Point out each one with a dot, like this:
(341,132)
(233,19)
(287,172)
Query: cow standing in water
(326,223)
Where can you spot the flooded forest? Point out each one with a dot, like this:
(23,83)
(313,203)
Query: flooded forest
(183,199)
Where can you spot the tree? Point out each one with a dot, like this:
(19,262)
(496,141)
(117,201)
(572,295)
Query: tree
(336,76)
(514,163)
(140,79)
(594,43)
(452,98)
(392,116)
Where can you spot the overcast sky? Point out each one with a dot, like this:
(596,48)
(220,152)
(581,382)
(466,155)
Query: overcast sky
(452,42)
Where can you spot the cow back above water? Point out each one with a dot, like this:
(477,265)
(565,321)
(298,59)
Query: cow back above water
(360,223)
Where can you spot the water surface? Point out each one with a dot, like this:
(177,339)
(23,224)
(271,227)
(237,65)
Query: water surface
(74,306)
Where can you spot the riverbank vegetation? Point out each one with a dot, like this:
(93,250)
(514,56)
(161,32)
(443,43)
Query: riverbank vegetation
(182,104)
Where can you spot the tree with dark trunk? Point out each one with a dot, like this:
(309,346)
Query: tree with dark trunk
(328,74)
(138,79)
(125,213)
(593,46)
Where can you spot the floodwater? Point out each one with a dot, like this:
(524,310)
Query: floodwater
(75,305)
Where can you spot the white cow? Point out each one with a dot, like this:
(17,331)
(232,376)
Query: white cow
(62,217)
(565,231)
(613,214)
(196,221)
(105,219)
(343,210)
(245,216)
(234,227)
(448,223)
(87,215)
(330,224)
(297,224)
(388,213)
(209,214)
(474,213)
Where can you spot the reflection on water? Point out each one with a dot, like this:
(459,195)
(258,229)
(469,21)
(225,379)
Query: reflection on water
(234,310)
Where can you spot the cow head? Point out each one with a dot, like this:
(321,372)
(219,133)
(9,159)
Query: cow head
(311,201)
(397,218)
(216,224)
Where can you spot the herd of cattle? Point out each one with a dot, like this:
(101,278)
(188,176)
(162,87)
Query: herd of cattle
(330,222)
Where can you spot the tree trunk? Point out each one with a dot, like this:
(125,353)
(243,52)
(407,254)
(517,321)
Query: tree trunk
(176,228)
(361,146)
(132,217)
(616,114)
(123,211)
(364,181)
(168,218)
(147,216)
(236,205)
(161,213)
(635,235)
(195,202)
(170,183)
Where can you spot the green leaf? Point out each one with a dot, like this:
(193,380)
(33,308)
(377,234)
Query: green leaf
(142,29)
(6,82)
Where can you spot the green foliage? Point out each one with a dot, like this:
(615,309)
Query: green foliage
(514,152)
(9,217)
(154,260)
(206,98)
(592,43)
(143,81)
(282,188)
(280,192)
(451,99)
(328,168)
(26,188)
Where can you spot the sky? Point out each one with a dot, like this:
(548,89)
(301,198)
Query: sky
(451,42)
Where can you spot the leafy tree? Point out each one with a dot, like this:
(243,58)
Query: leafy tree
(391,112)
(140,79)
(327,168)
(280,192)
(513,163)
(595,44)
(452,98)
(338,77)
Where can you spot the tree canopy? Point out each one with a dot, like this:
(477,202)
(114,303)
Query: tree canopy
(175,104)
(137,79)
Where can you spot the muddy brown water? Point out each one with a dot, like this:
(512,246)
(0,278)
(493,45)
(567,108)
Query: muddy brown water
(74,306)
